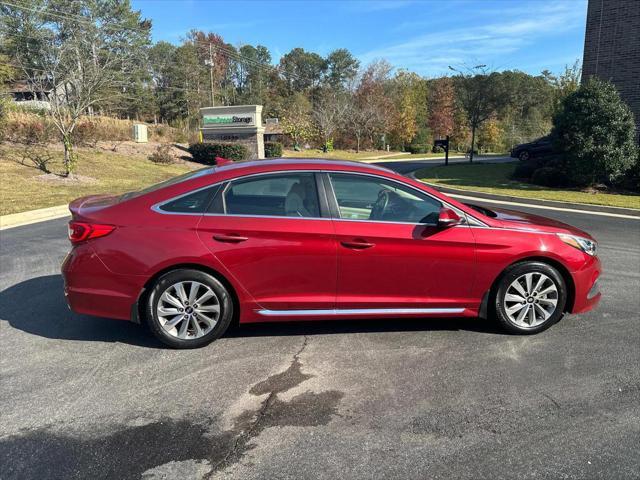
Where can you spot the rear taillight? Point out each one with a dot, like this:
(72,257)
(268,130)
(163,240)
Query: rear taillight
(81,231)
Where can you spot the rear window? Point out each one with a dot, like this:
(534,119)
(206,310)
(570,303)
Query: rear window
(196,202)
(167,183)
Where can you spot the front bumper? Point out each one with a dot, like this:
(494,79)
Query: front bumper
(587,287)
(92,289)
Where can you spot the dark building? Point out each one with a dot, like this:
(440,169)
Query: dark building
(612,48)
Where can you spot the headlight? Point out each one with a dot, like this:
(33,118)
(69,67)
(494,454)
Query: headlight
(587,246)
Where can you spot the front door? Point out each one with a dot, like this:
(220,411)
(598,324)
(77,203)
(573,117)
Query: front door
(391,252)
(271,233)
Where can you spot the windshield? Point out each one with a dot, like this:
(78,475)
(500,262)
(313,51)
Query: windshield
(485,211)
(172,181)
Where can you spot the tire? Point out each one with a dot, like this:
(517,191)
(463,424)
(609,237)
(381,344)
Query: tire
(524,156)
(542,307)
(180,325)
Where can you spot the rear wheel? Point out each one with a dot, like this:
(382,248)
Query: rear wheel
(188,309)
(530,297)
(524,156)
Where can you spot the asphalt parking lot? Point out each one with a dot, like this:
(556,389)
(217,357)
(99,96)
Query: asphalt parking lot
(84,397)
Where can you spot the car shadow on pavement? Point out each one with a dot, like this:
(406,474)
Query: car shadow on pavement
(370,325)
(37,306)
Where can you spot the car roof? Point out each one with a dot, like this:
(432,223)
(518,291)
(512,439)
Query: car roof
(297,163)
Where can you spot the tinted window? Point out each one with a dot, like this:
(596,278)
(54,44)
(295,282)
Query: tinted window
(195,202)
(290,195)
(368,198)
(167,183)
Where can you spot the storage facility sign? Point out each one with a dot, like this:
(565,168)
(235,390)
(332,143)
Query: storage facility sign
(227,120)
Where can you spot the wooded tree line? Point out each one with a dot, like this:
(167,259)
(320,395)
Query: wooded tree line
(98,57)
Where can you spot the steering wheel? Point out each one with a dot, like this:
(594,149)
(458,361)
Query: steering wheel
(381,204)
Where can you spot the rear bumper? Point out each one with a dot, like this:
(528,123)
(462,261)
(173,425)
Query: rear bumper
(91,289)
(587,287)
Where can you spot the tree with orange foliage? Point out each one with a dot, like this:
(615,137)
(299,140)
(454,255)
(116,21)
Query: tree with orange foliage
(442,107)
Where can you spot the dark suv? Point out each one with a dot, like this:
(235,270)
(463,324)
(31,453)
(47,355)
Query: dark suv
(537,148)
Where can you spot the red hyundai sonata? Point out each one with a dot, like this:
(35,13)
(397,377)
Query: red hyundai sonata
(316,239)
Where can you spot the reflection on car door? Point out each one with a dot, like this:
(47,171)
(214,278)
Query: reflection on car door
(395,256)
(272,234)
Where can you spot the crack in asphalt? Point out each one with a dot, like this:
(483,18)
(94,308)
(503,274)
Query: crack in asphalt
(252,429)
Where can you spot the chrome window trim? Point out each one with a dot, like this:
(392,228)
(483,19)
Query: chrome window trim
(156,207)
(358,311)
(280,217)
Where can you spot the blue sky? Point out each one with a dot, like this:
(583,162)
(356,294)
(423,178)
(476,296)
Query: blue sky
(424,36)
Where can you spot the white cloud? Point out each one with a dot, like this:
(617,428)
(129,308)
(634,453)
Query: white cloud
(431,53)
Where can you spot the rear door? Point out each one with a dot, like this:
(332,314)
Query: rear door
(391,252)
(276,238)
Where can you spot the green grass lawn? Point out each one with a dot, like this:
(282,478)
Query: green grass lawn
(21,190)
(496,178)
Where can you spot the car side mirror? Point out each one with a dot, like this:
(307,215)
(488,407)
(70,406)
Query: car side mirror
(448,218)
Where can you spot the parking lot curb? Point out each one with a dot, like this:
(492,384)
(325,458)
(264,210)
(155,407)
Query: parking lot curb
(33,216)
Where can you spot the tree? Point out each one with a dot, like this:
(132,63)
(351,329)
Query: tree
(376,105)
(479,96)
(442,107)
(253,75)
(328,114)
(527,109)
(595,131)
(409,95)
(296,121)
(83,57)
(342,68)
(489,135)
(7,71)
(564,84)
(212,52)
(302,70)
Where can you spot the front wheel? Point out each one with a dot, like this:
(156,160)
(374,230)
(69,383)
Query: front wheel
(188,309)
(530,297)
(524,156)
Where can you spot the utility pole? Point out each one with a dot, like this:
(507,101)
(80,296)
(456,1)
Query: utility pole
(213,102)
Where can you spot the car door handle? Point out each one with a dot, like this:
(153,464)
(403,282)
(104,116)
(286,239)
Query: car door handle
(230,238)
(358,244)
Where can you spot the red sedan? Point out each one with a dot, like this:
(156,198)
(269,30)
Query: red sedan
(317,239)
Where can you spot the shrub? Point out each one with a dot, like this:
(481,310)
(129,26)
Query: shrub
(162,155)
(595,131)
(524,171)
(207,152)
(631,179)
(28,128)
(272,149)
(417,148)
(86,133)
(549,177)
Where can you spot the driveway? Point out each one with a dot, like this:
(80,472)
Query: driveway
(84,397)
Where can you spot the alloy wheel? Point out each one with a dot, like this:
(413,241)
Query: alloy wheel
(188,310)
(531,300)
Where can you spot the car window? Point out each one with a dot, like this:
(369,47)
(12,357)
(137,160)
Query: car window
(282,195)
(167,183)
(368,198)
(195,202)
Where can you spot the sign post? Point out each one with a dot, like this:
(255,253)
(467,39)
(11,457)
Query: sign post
(443,143)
